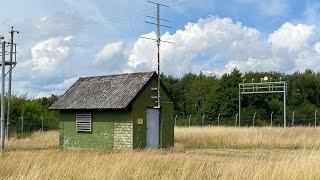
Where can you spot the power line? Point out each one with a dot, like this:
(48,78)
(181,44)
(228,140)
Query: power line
(98,21)
(102,21)
(57,29)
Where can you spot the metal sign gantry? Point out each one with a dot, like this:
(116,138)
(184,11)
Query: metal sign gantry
(264,88)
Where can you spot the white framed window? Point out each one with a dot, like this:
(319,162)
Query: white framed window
(83,122)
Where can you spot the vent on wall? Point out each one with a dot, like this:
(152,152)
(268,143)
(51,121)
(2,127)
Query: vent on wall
(83,122)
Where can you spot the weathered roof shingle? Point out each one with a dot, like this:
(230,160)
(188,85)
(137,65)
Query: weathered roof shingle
(103,92)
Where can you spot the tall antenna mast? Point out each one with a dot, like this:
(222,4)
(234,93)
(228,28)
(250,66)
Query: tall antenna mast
(12,32)
(158,40)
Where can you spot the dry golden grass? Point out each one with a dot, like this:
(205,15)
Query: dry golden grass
(244,138)
(25,159)
(37,140)
(209,164)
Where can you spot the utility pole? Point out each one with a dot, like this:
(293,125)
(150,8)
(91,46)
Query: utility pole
(284,105)
(12,32)
(239,110)
(3,68)
(158,40)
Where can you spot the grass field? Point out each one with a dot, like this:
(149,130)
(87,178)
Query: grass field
(249,138)
(199,153)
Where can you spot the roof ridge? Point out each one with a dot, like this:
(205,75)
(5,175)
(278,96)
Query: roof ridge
(111,75)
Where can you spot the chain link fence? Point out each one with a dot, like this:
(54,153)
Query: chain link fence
(292,119)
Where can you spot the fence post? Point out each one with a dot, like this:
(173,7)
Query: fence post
(175,120)
(218,119)
(236,120)
(203,120)
(315,117)
(271,118)
(22,124)
(41,123)
(292,122)
(254,117)
(189,119)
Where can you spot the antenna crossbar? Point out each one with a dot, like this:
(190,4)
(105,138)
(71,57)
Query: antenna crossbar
(158,24)
(156,40)
(158,4)
(159,18)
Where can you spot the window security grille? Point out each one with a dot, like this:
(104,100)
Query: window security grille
(83,122)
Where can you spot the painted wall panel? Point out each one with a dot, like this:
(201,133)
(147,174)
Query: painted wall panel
(102,135)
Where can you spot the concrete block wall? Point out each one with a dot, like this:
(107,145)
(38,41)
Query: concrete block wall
(123,135)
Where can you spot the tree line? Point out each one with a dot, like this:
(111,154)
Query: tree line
(206,96)
(28,115)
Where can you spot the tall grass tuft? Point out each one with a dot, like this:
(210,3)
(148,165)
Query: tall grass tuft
(36,141)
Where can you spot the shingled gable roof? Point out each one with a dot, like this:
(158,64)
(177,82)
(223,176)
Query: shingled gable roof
(103,92)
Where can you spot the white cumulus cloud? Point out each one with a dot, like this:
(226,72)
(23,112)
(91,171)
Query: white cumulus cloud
(217,45)
(45,71)
(206,38)
(47,55)
(111,58)
(292,37)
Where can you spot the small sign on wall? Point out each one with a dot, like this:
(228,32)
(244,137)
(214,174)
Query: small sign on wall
(140,121)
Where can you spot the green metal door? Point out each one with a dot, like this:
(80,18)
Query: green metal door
(152,128)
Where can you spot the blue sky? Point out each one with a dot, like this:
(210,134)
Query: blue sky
(63,40)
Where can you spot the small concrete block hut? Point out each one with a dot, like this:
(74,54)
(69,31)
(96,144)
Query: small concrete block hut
(115,112)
